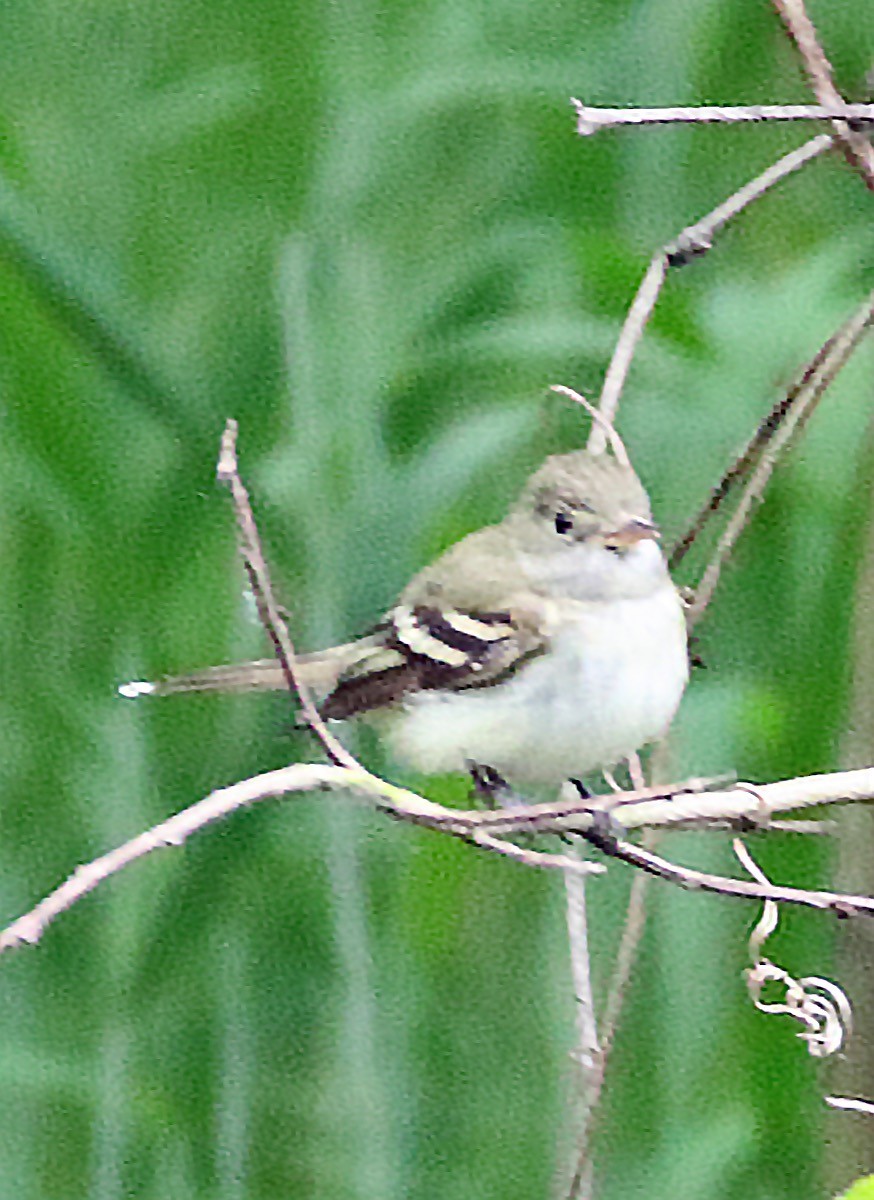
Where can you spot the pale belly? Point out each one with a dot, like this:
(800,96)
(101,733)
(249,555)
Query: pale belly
(612,683)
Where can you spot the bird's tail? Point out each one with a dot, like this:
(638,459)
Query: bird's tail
(318,672)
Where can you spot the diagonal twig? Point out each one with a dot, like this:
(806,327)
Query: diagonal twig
(771,438)
(693,241)
(746,460)
(268,610)
(703,881)
(858,151)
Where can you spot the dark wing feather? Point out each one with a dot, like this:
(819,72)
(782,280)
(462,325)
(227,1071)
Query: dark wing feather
(424,648)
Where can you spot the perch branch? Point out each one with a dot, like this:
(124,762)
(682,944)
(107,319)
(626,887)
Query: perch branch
(685,805)
(299,777)
(654,807)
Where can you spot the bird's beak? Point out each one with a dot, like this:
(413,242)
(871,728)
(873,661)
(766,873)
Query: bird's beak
(632,532)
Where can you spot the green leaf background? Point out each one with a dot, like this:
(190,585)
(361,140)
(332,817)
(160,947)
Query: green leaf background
(370,234)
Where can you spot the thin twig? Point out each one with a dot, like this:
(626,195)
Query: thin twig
(632,331)
(268,610)
(632,931)
(572,866)
(693,241)
(578,938)
(818,376)
(750,455)
(591,119)
(702,881)
(857,149)
(594,1050)
(588,1047)
(812,828)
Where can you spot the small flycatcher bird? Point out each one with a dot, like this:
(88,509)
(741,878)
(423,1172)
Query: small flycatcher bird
(544,647)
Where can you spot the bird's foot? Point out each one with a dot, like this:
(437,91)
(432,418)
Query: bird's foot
(490,788)
(605,831)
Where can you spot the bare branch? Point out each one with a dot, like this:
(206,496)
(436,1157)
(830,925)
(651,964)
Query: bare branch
(745,461)
(648,807)
(268,611)
(858,151)
(770,439)
(670,806)
(573,866)
(590,119)
(588,1047)
(578,938)
(632,331)
(299,777)
(744,802)
(693,241)
(703,881)
(610,432)
(632,931)
(173,832)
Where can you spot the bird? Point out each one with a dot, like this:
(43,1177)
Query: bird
(542,648)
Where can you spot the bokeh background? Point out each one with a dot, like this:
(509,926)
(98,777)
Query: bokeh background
(370,233)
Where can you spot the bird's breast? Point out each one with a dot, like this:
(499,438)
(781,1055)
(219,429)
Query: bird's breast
(610,681)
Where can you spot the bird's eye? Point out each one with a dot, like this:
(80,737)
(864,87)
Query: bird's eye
(564,523)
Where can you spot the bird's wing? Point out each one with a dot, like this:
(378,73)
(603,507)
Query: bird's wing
(431,639)
(422,648)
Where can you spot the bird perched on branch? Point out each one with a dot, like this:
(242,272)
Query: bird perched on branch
(544,647)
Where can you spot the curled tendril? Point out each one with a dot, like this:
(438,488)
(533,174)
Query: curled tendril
(818,1004)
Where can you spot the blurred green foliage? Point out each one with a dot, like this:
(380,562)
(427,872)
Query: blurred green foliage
(370,234)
